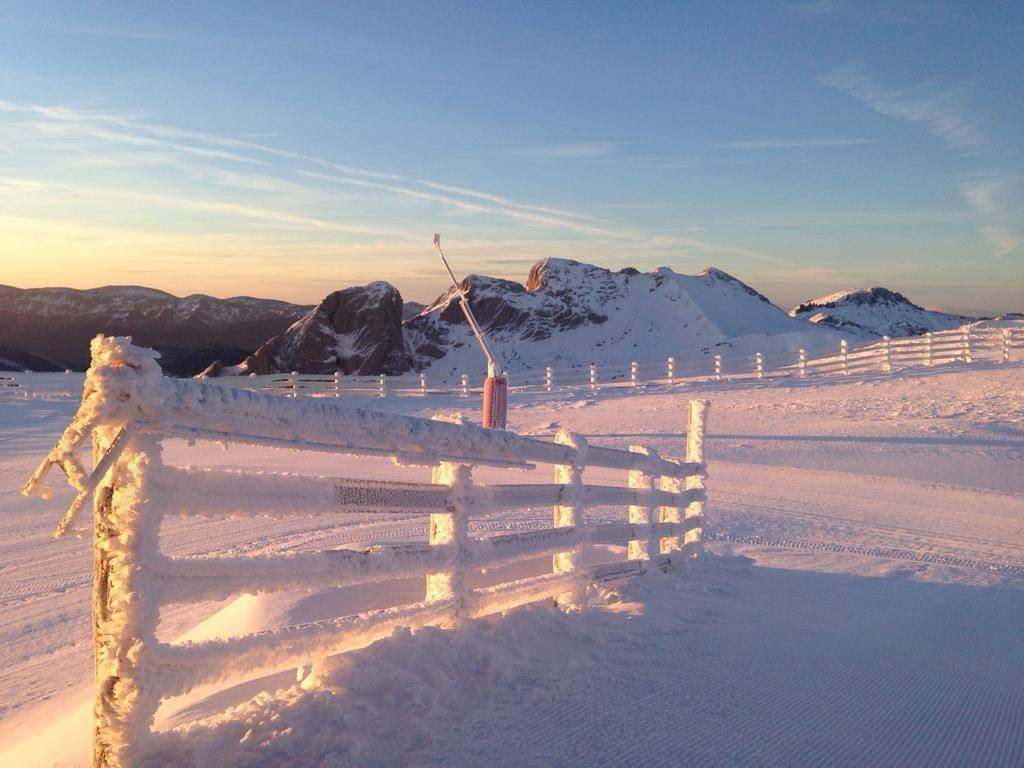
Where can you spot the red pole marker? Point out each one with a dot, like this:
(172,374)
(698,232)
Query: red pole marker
(495,402)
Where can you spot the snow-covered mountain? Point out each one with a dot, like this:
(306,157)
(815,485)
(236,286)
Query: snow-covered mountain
(874,312)
(56,324)
(571,314)
(566,314)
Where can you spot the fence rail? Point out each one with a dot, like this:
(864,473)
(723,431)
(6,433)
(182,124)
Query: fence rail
(129,407)
(966,345)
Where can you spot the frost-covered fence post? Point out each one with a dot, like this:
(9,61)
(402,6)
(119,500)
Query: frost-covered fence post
(382,386)
(844,356)
(759,365)
(464,385)
(670,365)
(548,379)
(695,428)
(1006,345)
(691,540)
(642,514)
(451,529)
(569,514)
(337,383)
(966,343)
(802,363)
(718,367)
(632,373)
(423,385)
(886,354)
(928,348)
(125,530)
(293,383)
(593,377)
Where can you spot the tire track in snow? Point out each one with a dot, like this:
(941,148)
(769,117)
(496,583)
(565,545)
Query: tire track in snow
(1011,569)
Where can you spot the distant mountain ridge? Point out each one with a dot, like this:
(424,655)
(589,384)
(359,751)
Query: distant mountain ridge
(875,312)
(56,324)
(567,313)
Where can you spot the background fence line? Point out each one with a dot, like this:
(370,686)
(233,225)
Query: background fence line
(886,355)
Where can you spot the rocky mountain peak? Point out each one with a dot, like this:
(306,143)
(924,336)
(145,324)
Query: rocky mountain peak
(356,330)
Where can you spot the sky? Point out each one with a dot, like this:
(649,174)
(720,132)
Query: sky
(289,149)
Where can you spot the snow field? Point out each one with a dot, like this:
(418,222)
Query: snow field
(842,652)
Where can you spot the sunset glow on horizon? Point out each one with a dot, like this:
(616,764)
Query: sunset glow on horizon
(266,153)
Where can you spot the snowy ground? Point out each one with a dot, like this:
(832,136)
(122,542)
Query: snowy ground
(877,620)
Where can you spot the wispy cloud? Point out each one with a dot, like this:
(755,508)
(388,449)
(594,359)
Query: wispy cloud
(523,213)
(78,130)
(1003,239)
(572,150)
(939,110)
(112,32)
(984,195)
(75,123)
(248,181)
(124,142)
(941,113)
(816,8)
(504,200)
(75,193)
(759,144)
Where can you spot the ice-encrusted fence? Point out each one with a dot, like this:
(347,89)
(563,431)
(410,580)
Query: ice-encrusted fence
(968,344)
(128,408)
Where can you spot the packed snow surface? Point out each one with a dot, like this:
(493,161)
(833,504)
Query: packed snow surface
(863,602)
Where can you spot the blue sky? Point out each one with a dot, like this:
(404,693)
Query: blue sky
(289,149)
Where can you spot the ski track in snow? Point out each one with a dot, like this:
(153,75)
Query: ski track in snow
(823,486)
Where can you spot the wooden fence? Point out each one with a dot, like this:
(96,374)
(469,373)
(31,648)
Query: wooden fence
(129,408)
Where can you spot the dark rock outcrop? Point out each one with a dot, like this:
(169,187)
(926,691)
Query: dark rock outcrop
(356,331)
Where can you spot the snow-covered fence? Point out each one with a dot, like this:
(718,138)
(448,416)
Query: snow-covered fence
(966,345)
(128,408)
